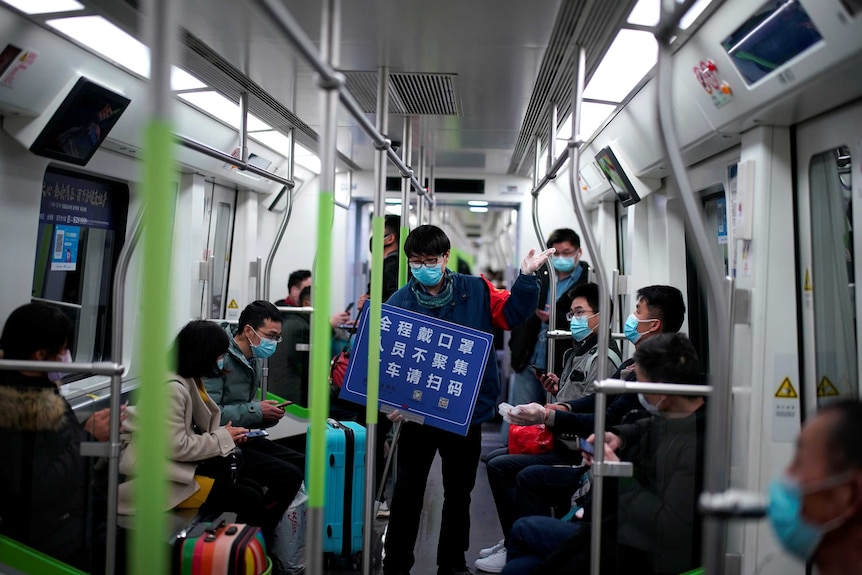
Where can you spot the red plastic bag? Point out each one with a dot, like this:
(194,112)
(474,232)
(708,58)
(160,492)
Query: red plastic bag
(498,302)
(530,439)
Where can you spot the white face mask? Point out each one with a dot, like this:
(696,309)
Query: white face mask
(651,409)
(58,375)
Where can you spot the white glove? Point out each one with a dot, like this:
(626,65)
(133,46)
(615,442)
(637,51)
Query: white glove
(534,261)
(528,414)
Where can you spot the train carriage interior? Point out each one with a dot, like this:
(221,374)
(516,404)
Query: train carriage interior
(167,161)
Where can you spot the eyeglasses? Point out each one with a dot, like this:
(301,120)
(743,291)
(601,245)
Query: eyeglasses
(579,313)
(427,263)
(276,337)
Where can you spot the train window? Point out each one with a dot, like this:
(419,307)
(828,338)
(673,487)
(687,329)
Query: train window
(833,273)
(82,226)
(220,215)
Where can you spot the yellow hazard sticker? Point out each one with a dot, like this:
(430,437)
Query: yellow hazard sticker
(826,388)
(786,390)
(233,304)
(806,285)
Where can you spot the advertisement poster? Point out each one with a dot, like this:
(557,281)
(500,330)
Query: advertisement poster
(65,255)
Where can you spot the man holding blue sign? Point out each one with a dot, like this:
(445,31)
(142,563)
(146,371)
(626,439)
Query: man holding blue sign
(443,295)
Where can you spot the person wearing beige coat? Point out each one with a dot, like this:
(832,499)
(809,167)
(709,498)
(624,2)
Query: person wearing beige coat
(259,489)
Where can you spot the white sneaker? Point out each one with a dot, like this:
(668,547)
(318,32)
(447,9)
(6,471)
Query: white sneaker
(381,510)
(493,563)
(488,551)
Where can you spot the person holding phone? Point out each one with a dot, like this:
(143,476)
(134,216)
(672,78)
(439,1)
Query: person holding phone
(207,469)
(657,529)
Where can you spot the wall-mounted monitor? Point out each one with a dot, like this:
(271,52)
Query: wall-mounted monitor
(80,124)
(620,183)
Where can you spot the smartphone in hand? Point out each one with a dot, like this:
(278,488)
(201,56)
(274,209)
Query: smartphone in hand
(257,433)
(540,371)
(586,446)
(349,307)
(283,404)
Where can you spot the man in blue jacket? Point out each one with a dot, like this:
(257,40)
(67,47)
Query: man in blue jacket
(437,292)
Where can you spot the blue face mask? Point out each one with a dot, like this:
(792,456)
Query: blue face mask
(631,328)
(428,277)
(563,264)
(798,537)
(579,328)
(264,349)
(220,363)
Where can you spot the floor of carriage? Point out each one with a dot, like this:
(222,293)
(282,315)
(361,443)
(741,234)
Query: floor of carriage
(484,526)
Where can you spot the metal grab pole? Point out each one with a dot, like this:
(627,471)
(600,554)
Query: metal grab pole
(604,326)
(552,273)
(371,408)
(118,305)
(330,32)
(406,153)
(715,474)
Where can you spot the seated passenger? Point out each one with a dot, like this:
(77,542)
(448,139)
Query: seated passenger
(816,508)
(580,369)
(657,529)
(289,365)
(207,470)
(43,479)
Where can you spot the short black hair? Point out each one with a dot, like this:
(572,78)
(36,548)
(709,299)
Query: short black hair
(304,294)
(256,313)
(426,240)
(392,225)
(590,292)
(297,278)
(669,358)
(844,448)
(33,327)
(564,235)
(666,304)
(197,347)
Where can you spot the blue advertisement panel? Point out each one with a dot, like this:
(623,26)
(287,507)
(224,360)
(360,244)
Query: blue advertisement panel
(428,367)
(67,199)
(65,254)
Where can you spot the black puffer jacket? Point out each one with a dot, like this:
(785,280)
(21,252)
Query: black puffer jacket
(43,479)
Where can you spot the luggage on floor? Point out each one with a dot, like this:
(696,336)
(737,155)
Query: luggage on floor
(345,487)
(220,546)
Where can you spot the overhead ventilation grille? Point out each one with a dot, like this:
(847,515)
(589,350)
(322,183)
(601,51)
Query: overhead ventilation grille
(411,94)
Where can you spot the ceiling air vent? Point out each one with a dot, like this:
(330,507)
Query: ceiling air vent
(411,94)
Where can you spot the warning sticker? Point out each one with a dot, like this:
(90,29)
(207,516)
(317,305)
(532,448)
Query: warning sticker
(807,283)
(786,390)
(232,304)
(826,388)
(232,311)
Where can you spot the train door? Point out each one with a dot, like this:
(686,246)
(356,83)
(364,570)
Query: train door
(219,213)
(828,161)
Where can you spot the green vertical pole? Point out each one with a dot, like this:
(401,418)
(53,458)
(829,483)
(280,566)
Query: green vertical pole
(149,549)
(402,257)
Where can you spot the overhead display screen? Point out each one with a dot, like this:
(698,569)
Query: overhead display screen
(774,35)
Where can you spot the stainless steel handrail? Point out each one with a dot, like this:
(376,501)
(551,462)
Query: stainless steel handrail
(717,432)
(228,159)
(97,368)
(57,303)
(617,386)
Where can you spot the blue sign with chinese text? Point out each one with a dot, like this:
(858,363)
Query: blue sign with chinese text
(428,367)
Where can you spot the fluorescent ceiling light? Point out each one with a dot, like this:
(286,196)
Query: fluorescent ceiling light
(44,6)
(281,144)
(182,80)
(478,209)
(393,201)
(103,37)
(632,54)
(477,203)
(593,115)
(225,110)
(117,46)
(648,12)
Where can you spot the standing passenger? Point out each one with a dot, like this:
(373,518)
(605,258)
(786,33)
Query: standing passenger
(529,342)
(439,293)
